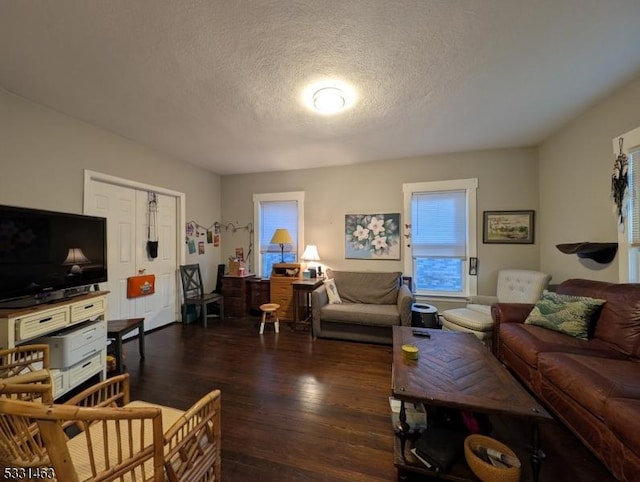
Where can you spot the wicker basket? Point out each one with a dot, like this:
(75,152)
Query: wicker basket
(484,470)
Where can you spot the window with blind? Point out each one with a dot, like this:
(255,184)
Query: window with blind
(634,197)
(277,211)
(442,237)
(634,215)
(629,238)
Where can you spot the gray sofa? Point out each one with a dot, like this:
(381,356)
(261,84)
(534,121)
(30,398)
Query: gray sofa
(372,303)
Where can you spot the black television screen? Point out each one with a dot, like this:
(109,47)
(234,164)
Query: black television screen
(45,255)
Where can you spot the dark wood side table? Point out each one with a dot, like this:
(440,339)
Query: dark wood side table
(116,329)
(235,292)
(302,300)
(259,294)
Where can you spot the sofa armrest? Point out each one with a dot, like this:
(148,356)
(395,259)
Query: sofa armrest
(319,298)
(507,313)
(483,300)
(510,312)
(405,301)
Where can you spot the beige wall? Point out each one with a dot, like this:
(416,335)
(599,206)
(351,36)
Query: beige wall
(575,179)
(507,179)
(43,155)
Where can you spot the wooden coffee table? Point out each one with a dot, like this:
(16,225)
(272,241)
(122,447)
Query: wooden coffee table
(455,370)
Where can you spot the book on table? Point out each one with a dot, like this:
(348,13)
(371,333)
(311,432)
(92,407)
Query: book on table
(440,448)
(417,456)
(415,412)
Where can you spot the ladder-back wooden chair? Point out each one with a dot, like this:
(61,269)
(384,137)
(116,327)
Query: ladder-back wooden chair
(193,293)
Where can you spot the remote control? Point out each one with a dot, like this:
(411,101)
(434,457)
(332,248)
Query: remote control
(421,333)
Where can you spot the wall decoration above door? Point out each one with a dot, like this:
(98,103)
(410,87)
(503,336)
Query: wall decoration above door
(372,236)
(619,183)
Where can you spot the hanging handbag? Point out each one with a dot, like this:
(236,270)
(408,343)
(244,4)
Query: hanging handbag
(152,246)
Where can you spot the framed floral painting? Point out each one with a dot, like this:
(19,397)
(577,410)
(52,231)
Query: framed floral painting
(372,236)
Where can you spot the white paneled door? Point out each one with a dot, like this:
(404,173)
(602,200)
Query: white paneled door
(126,210)
(160,308)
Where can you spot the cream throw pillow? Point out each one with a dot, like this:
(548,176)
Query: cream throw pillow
(332,291)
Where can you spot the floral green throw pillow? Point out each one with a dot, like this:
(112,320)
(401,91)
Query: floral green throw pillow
(570,315)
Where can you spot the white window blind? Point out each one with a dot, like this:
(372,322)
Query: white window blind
(275,215)
(439,224)
(634,197)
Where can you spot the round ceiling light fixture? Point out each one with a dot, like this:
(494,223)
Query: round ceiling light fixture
(329,100)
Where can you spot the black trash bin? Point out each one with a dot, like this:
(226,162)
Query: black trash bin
(424,316)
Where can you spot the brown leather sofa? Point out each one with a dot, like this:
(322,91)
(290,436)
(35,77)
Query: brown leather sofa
(592,386)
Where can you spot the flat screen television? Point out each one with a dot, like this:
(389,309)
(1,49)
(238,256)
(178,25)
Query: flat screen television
(47,255)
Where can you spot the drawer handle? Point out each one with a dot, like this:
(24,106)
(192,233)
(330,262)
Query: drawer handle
(44,320)
(86,355)
(88,306)
(86,364)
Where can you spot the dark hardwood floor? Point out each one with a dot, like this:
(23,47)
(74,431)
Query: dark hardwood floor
(297,409)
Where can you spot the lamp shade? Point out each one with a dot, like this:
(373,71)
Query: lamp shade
(281,236)
(310,253)
(75,256)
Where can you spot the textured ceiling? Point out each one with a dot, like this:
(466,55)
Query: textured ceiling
(219,83)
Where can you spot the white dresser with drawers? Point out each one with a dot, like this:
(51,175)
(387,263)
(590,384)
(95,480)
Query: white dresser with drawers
(75,329)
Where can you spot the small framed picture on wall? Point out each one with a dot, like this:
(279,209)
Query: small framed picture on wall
(508,227)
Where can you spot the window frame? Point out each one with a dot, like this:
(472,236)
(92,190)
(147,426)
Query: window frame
(470,186)
(258,199)
(628,255)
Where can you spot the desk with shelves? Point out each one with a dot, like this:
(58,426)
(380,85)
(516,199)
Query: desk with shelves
(243,295)
(282,277)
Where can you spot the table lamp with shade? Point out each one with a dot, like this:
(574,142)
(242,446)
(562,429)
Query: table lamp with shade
(75,257)
(311,254)
(281,237)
